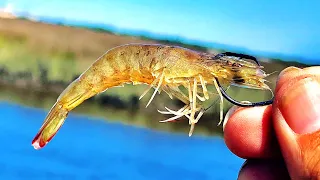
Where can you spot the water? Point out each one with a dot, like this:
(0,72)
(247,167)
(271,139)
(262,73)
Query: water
(90,148)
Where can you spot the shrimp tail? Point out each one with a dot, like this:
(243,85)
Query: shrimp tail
(51,125)
(70,98)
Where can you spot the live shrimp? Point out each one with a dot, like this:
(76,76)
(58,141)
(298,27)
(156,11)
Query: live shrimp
(164,68)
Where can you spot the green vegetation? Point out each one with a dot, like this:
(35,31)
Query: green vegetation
(16,57)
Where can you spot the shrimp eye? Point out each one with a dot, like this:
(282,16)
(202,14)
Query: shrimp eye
(238,55)
(238,79)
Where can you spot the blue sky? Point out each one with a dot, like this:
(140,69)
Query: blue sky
(286,27)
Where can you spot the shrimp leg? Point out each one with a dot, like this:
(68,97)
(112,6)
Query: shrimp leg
(192,90)
(191,104)
(204,88)
(175,91)
(160,78)
(147,90)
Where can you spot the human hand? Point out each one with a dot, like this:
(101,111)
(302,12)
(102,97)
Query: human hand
(282,140)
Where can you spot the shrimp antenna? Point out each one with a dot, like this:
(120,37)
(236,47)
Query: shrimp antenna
(239,55)
(235,102)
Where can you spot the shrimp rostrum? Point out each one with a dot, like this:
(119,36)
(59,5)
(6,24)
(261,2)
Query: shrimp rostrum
(164,68)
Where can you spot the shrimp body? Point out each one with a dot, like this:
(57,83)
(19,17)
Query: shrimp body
(163,68)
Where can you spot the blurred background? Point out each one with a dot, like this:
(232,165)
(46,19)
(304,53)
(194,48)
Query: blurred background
(44,45)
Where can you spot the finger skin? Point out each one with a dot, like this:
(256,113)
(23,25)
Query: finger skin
(292,73)
(263,170)
(248,133)
(300,151)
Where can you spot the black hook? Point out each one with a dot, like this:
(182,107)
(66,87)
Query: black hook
(245,56)
(235,102)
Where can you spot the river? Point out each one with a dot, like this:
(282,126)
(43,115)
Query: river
(93,148)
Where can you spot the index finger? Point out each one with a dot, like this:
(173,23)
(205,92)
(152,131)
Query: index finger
(249,133)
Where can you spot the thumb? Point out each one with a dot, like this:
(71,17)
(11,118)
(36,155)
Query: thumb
(296,116)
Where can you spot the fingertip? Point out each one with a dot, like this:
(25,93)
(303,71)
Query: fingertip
(248,133)
(291,73)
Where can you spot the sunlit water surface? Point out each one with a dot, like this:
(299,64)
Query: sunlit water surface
(90,148)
